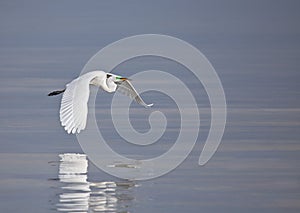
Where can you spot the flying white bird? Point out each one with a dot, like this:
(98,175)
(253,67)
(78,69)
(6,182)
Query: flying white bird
(74,108)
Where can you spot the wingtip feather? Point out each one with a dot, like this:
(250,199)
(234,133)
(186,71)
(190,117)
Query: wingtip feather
(149,105)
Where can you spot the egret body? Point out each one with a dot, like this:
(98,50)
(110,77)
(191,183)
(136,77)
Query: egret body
(74,109)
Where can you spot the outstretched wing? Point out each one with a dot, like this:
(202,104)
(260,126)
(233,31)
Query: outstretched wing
(74,109)
(127,89)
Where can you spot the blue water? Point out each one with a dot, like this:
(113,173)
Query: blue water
(254,48)
(255,169)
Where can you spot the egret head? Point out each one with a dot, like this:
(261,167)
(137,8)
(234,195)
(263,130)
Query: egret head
(116,78)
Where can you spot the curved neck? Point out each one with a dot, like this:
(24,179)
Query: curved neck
(109,86)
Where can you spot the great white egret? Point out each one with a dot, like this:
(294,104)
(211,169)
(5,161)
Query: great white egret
(73,109)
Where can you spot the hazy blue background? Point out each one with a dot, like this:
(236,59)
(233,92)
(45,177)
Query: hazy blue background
(254,47)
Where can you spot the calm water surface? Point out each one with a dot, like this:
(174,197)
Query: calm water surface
(257,173)
(254,47)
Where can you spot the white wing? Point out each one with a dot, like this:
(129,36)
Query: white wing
(74,109)
(127,89)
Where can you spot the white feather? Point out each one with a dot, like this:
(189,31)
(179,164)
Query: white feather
(74,108)
(74,103)
(127,89)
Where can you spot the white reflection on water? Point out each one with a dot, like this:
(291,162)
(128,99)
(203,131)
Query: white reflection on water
(80,195)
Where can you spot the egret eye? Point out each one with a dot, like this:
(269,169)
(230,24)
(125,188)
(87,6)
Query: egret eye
(108,75)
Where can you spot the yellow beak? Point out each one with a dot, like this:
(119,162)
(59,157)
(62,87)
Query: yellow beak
(124,79)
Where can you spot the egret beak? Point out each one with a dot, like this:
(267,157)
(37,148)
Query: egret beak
(124,79)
